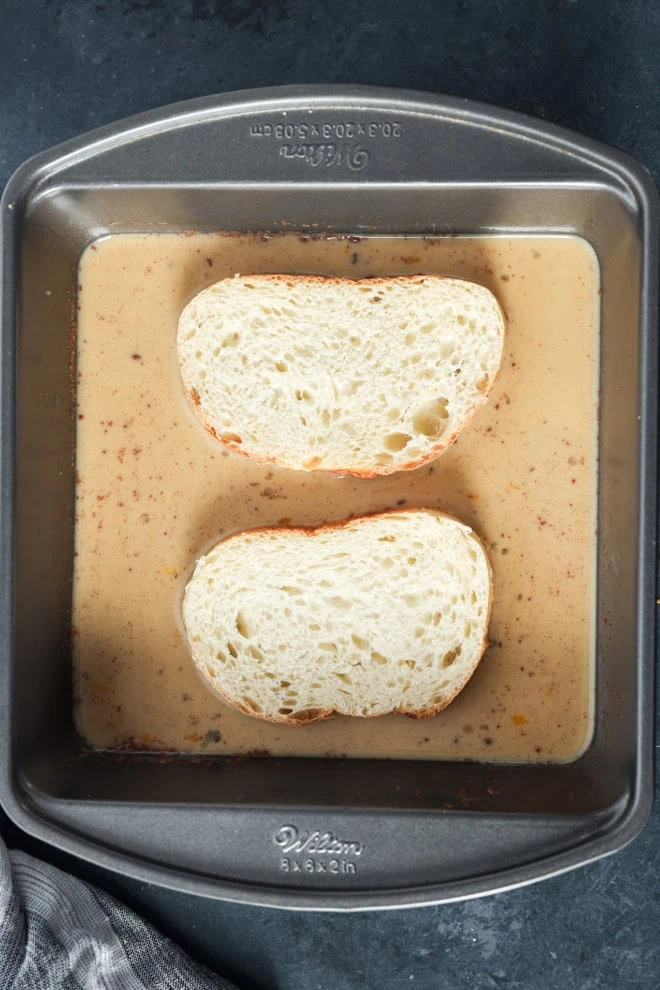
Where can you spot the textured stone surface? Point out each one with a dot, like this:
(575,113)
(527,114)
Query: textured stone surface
(69,65)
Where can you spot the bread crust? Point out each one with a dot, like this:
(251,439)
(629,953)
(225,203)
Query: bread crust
(376,470)
(321,714)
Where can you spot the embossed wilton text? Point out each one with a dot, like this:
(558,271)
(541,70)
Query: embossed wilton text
(289,839)
(328,144)
(352,155)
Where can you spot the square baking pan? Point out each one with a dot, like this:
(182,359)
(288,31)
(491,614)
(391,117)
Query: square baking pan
(329,833)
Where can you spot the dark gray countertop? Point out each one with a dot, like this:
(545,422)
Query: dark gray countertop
(69,65)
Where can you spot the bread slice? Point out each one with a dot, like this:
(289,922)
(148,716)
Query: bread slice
(362,377)
(383,613)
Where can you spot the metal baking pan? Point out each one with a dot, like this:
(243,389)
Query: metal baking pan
(355,834)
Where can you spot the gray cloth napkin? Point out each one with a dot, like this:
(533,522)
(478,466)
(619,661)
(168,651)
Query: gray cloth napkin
(60,933)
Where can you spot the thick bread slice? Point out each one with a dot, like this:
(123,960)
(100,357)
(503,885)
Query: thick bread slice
(361,377)
(384,613)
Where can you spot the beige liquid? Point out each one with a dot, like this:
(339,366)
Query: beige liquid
(154,492)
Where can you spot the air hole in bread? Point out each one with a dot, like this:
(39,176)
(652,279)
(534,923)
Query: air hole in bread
(281,366)
(328,647)
(285,711)
(255,652)
(343,677)
(251,703)
(410,339)
(451,655)
(362,644)
(378,658)
(290,589)
(338,602)
(231,438)
(431,418)
(397,441)
(231,340)
(384,458)
(232,650)
(242,625)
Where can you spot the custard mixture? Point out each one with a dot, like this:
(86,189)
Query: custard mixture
(154,491)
